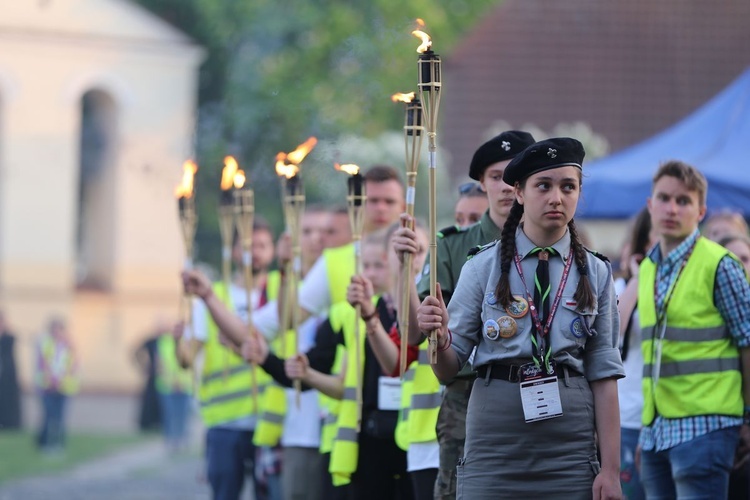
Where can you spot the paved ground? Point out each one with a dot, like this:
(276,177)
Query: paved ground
(141,472)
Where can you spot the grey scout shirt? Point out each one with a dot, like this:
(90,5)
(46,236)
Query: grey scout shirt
(594,353)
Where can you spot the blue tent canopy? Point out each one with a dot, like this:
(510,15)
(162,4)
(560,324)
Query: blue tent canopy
(715,139)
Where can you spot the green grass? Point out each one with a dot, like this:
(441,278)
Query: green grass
(19,456)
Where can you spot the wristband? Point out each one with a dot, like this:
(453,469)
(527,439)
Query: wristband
(447,344)
(370,316)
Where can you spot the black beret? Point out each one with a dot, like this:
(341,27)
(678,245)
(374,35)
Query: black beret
(503,147)
(544,155)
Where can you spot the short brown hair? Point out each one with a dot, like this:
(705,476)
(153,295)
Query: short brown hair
(687,174)
(383,173)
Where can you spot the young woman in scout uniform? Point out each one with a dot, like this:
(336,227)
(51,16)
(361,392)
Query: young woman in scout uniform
(542,314)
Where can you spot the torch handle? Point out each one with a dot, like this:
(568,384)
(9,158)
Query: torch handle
(247,271)
(432,348)
(404,309)
(358,364)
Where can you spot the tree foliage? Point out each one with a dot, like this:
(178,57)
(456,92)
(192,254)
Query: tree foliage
(279,71)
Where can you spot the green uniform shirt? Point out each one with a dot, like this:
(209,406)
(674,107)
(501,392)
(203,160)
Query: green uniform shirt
(453,245)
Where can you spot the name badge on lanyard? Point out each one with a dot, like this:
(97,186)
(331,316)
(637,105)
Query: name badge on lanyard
(540,395)
(389,393)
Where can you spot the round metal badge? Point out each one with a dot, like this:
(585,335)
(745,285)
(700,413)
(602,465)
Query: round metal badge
(576,327)
(508,327)
(518,308)
(491,329)
(490,298)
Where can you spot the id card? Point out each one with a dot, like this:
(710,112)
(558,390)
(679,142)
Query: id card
(389,393)
(540,395)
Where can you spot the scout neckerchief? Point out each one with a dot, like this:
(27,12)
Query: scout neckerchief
(661,315)
(538,340)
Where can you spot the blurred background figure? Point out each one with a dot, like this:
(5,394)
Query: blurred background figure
(10,394)
(739,245)
(640,240)
(471,205)
(175,387)
(57,380)
(739,479)
(723,224)
(149,413)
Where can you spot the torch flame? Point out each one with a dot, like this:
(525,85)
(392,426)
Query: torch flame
(426,40)
(402,97)
(296,156)
(284,169)
(348,168)
(185,188)
(239,179)
(228,173)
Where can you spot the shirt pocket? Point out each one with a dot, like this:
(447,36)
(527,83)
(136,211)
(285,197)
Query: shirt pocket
(576,325)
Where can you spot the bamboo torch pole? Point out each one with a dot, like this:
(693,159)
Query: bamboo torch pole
(185,194)
(413,147)
(226,228)
(430,86)
(355,203)
(244,212)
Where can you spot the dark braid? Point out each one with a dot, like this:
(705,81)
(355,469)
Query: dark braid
(584,295)
(507,252)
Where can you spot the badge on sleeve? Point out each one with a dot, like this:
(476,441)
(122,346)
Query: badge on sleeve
(491,329)
(508,327)
(490,298)
(518,308)
(576,327)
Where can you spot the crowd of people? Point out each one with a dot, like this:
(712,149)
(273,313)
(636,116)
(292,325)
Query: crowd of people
(556,376)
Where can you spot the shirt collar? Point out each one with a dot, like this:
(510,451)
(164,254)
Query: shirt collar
(676,255)
(490,232)
(524,245)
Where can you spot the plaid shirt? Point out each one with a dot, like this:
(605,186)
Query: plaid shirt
(732,299)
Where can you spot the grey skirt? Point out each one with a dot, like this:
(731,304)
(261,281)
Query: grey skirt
(508,458)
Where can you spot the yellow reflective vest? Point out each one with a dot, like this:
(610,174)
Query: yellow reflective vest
(402,427)
(344,454)
(427,396)
(699,370)
(340,269)
(226,392)
(170,376)
(59,365)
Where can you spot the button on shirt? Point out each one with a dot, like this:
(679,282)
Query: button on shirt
(592,350)
(731,297)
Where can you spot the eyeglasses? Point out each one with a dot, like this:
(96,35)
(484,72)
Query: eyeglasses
(470,188)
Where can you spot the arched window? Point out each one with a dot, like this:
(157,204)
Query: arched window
(95,245)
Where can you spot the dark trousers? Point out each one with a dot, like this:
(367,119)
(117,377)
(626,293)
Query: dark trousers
(423,483)
(52,431)
(381,471)
(329,491)
(230,454)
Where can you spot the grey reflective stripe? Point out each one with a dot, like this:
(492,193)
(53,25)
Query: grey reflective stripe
(350,393)
(424,357)
(688,334)
(244,393)
(694,366)
(346,434)
(409,375)
(405,414)
(221,373)
(274,418)
(426,401)
(330,419)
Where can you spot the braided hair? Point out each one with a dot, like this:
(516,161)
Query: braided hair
(507,253)
(584,295)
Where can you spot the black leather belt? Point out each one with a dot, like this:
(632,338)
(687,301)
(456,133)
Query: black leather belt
(509,373)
